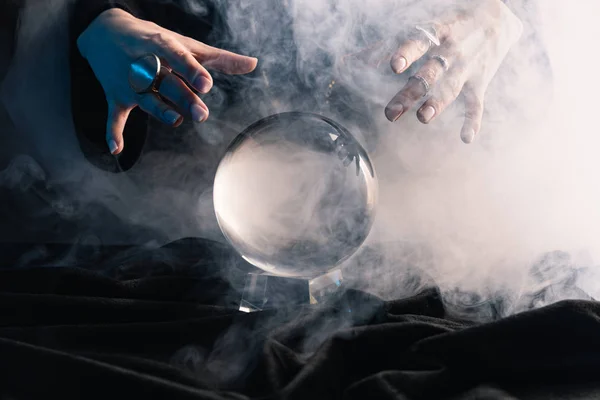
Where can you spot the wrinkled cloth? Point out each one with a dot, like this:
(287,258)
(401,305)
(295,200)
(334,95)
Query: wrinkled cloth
(148,324)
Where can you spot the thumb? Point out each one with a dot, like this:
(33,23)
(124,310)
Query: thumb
(473,98)
(115,125)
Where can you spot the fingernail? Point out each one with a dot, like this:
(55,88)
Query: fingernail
(398,64)
(467,135)
(199,114)
(202,84)
(171,117)
(394,112)
(112,146)
(426,113)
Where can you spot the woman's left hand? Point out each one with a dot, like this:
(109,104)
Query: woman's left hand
(473,42)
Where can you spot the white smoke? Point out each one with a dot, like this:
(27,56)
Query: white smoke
(489,210)
(485,211)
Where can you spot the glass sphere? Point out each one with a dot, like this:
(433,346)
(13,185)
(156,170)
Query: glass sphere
(295,194)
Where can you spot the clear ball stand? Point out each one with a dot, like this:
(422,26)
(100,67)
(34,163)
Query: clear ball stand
(265,291)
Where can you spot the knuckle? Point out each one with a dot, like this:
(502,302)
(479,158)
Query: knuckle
(470,114)
(474,109)
(153,25)
(161,39)
(180,53)
(422,46)
(409,44)
(412,48)
(473,114)
(412,91)
(429,73)
(454,88)
(191,65)
(185,64)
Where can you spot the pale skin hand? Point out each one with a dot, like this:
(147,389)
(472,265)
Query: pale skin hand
(474,39)
(116,38)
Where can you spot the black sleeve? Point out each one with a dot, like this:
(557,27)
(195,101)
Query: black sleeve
(9,16)
(88,102)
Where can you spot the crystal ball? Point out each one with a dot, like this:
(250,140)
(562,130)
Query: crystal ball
(295,194)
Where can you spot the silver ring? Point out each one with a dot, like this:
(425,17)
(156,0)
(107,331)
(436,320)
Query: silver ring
(424,82)
(430,33)
(144,74)
(442,60)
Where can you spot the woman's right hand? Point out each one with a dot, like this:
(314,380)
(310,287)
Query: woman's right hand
(116,38)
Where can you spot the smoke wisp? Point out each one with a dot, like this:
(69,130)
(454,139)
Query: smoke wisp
(470,217)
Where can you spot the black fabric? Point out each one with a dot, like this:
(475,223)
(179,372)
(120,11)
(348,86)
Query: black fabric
(9,22)
(9,18)
(167,327)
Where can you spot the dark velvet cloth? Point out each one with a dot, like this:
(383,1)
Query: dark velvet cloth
(9,23)
(9,18)
(163,324)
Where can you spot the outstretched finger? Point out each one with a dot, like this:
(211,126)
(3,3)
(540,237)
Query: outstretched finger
(406,98)
(174,90)
(219,59)
(409,52)
(115,125)
(416,46)
(419,85)
(473,113)
(182,61)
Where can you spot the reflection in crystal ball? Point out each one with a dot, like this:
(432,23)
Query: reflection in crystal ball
(295,194)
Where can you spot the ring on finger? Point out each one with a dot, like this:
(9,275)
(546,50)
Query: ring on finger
(423,81)
(146,73)
(430,33)
(442,60)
